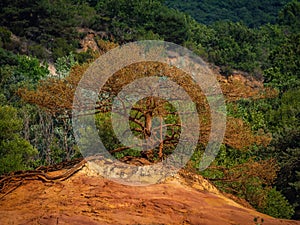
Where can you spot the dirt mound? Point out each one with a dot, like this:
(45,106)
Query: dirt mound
(87,198)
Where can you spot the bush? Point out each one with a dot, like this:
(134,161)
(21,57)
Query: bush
(277,205)
(61,48)
(15,152)
(5,35)
(38,51)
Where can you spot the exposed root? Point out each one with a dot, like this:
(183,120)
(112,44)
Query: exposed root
(12,181)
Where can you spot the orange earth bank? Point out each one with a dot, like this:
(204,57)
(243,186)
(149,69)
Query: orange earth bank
(87,198)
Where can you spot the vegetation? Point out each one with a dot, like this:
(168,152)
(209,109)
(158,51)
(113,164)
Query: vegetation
(253,14)
(36,106)
(16,152)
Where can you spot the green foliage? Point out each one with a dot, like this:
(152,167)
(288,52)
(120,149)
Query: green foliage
(227,44)
(131,20)
(51,136)
(281,117)
(252,112)
(50,23)
(7,58)
(28,69)
(286,113)
(296,186)
(277,205)
(19,71)
(148,35)
(108,138)
(285,63)
(84,57)
(235,45)
(240,173)
(64,64)
(15,152)
(61,48)
(269,52)
(286,148)
(252,13)
(38,51)
(31,69)
(5,36)
(10,123)
(290,15)
(173,26)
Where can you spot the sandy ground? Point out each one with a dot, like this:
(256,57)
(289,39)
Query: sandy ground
(87,199)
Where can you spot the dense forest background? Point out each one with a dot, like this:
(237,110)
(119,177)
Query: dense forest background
(253,14)
(260,38)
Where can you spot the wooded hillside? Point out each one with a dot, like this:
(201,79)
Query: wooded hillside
(257,62)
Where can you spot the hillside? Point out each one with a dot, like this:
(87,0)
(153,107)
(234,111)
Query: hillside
(47,46)
(87,198)
(252,13)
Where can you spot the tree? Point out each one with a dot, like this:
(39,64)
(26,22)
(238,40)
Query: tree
(290,15)
(285,145)
(19,71)
(5,36)
(253,14)
(56,95)
(15,152)
(284,60)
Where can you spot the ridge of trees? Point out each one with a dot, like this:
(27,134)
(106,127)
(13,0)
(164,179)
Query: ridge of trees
(253,14)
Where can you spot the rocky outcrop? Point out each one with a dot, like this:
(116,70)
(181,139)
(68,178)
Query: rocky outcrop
(87,198)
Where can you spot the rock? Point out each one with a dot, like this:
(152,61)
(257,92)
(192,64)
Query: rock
(87,198)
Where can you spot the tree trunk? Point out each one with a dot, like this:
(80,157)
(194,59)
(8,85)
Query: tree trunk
(148,124)
(161,144)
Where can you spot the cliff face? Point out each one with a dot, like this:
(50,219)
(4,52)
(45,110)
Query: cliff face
(87,198)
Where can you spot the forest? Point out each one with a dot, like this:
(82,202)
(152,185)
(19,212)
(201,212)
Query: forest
(253,14)
(259,160)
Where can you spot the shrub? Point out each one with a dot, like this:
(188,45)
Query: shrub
(16,153)
(277,205)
